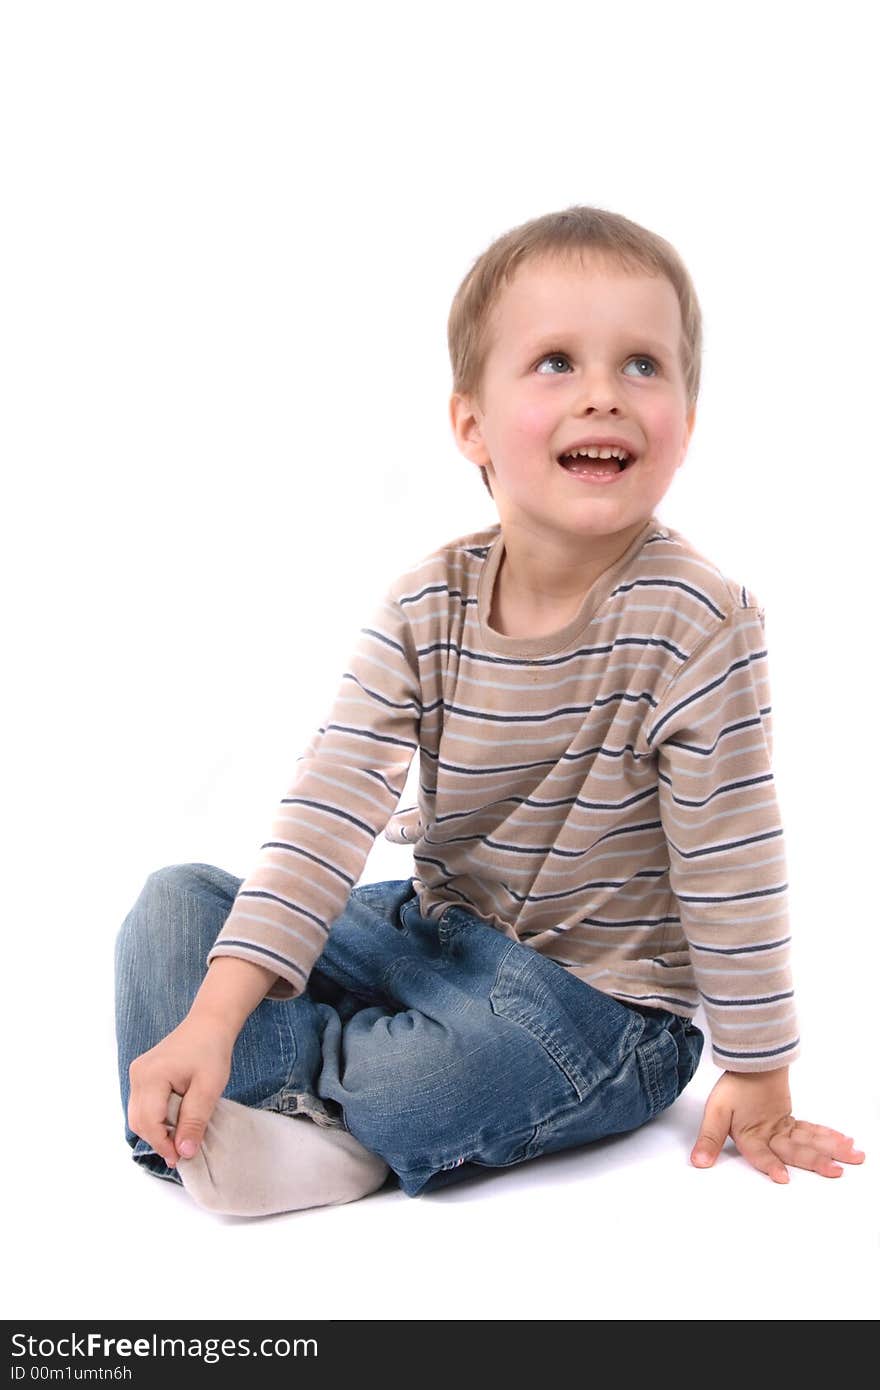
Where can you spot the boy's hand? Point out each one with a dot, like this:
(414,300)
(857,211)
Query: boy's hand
(194,1060)
(754,1108)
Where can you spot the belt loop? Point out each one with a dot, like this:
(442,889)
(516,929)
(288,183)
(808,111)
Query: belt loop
(446,927)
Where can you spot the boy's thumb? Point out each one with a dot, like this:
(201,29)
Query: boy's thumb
(711,1138)
(189,1114)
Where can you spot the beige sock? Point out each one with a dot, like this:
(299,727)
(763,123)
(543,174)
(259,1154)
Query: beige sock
(256,1162)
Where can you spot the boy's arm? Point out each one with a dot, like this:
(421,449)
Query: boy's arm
(346,787)
(712,733)
(229,993)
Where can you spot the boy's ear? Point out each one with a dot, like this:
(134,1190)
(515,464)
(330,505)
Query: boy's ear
(464,418)
(691,420)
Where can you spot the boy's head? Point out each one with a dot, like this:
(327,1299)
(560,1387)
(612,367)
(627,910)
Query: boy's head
(577,325)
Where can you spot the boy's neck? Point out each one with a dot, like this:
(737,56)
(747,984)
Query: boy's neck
(536,592)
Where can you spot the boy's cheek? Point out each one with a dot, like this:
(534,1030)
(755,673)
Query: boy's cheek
(665,432)
(534,424)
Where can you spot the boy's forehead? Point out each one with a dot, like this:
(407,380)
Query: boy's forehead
(553,296)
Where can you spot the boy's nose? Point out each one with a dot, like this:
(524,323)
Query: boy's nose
(598,394)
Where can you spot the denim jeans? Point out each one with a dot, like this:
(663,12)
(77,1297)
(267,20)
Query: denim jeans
(442,1045)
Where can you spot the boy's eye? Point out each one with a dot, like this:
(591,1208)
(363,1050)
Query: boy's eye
(553,357)
(563,357)
(645,359)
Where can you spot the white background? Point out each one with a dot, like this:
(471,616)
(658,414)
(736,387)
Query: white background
(230,239)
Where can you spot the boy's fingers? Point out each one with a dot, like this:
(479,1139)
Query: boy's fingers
(706,1150)
(762,1157)
(830,1142)
(192,1121)
(711,1138)
(804,1156)
(147,1120)
(822,1132)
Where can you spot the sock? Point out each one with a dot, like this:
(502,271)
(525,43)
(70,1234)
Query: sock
(256,1162)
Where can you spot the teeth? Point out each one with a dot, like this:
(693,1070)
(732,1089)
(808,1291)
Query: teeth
(595,453)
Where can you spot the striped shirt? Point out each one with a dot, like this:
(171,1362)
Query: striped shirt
(602,794)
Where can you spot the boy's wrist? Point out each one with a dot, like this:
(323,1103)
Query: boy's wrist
(230,991)
(762,1083)
(776,1072)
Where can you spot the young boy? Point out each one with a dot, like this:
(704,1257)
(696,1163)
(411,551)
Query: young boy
(597,843)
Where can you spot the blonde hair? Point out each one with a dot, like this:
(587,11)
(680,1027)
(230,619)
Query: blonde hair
(574,232)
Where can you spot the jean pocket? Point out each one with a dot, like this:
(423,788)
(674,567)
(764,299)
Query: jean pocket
(690,1049)
(658,1060)
(588,1041)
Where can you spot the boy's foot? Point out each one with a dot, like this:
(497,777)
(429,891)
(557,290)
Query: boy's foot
(256,1162)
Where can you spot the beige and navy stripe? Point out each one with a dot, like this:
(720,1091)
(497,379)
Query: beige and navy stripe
(604,795)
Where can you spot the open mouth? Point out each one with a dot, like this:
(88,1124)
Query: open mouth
(598,468)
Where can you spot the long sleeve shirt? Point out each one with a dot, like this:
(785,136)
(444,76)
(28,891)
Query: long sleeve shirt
(603,794)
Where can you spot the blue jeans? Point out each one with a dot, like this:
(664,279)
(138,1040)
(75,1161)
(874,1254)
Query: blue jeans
(442,1045)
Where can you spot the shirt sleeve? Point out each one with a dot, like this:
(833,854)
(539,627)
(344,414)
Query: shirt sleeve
(712,733)
(346,786)
(405,827)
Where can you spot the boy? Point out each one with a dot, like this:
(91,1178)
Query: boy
(597,844)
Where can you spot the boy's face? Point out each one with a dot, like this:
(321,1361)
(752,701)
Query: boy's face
(578,351)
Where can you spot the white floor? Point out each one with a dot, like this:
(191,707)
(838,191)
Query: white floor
(626,1229)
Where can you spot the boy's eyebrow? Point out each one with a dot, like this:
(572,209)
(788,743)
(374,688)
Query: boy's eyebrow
(550,340)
